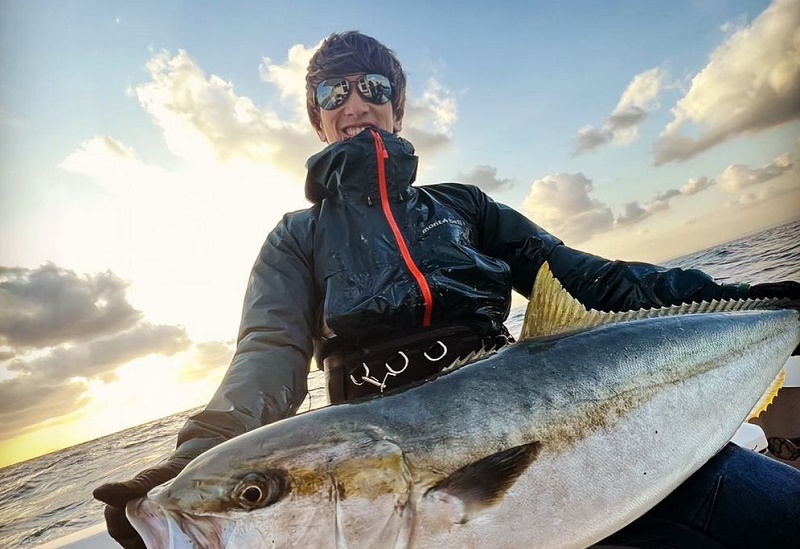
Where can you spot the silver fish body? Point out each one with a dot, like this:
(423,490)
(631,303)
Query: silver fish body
(552,442)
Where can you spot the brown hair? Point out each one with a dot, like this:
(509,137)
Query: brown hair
(351,52)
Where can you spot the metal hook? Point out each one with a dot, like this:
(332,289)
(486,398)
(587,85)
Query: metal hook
(401,370)
(375,382)
(364,377)
(444,352)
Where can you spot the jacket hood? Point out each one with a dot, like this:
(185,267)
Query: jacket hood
(349,169)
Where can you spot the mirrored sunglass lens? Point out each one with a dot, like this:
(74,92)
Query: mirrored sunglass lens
(375,88)
(332,93)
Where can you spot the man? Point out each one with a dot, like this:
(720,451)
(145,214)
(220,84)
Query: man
(385,283)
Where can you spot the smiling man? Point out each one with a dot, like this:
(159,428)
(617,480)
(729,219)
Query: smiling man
(385,283)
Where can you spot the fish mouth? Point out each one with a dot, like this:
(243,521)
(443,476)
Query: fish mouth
(167,529)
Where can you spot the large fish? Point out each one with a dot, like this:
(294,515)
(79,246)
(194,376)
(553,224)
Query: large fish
(520,449)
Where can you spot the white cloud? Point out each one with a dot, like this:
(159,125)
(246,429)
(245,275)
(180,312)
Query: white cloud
(638,100)
(428,120)
(751,83)
(111,163)
(290,77)
(636,213)
(562,205)
(486,178)
(695,185)
(202,116)
(206,123)
(209,357)
(757,196)
(738,176)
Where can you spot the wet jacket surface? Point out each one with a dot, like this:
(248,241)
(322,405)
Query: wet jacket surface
(377,257)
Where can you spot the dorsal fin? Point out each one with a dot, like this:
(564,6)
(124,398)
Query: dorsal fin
(553,311)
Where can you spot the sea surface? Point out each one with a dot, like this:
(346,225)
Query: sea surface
(50,496)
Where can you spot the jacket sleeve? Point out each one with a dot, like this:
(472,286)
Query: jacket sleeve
(267,378)
(596,282)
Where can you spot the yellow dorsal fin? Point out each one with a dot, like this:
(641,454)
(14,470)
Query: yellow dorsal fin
(552,310)
(769,395)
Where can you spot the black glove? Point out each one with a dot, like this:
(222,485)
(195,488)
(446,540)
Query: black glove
(789,290)
(121,530)
(117,494)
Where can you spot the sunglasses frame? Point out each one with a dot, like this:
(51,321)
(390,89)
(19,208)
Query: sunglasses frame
(361,85)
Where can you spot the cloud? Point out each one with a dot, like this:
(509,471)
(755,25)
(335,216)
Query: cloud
(59,329)
(751,83)
(99,358)
(50,305)
(562,205)
(590,138)
(622,126)
(209,357)
(290,78)
(107,161)
(636,213)
(202,116)
(30,400)
(428,119)
(485,177)
(738,176)
(757,196)
(695,185)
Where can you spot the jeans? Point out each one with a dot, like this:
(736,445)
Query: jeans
(738,499)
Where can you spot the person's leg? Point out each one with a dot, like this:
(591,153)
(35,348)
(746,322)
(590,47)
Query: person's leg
(738,499)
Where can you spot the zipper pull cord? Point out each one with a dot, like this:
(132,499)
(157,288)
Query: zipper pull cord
(405,253)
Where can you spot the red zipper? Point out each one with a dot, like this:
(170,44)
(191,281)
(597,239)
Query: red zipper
(383,154)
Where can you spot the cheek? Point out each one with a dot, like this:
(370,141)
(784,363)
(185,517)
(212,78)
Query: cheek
(327,125)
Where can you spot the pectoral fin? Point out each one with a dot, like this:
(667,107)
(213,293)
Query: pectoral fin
(483,483)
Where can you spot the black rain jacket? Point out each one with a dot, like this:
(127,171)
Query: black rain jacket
(375,256)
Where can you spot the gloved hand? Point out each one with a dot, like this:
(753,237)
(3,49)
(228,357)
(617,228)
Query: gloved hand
(788,290)
(117,494)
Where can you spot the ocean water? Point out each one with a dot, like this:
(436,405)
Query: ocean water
(49,497)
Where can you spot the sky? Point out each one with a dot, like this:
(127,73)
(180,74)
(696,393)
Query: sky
(147,149)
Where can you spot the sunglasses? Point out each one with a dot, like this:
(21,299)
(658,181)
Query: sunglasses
(333,92)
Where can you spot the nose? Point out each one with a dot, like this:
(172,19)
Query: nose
(355,105)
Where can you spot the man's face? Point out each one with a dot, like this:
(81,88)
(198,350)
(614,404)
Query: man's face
(355,114)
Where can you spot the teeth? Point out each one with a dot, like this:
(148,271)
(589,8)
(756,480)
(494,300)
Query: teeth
(353,131)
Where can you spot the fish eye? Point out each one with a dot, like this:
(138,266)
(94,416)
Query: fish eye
(257,490)
(252,494)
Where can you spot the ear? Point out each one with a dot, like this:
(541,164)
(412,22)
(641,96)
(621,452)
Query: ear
(321,134)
